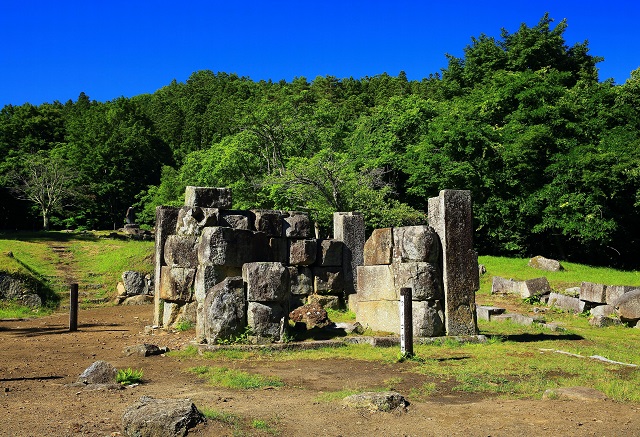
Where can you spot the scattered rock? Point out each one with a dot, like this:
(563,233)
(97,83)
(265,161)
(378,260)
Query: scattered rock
(603,310)
(311,314)
(574,393)
(151,417)
(99,372)
(628,306)
(144,350)
(376,401)
(141,299)
(351,328)
(601,321)
(542,263)
(30,300)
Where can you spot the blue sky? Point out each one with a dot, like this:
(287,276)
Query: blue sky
(53,50)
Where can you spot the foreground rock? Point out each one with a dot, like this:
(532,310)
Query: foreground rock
(628,306)
(151,417)
(377,401)
(311,315)
(99,372)
(542,263)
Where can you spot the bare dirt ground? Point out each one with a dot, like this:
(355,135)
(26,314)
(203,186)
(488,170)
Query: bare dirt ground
(39,358)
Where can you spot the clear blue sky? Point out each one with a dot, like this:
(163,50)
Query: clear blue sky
(55,49)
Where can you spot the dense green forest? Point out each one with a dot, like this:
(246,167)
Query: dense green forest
(550,152)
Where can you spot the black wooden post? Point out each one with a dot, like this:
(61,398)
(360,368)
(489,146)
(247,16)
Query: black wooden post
(73,308)
(406,323)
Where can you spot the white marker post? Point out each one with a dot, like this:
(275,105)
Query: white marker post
(406,323)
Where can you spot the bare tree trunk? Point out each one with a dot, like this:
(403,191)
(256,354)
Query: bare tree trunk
(45,220)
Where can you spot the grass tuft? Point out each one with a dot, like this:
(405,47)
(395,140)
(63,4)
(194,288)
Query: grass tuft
(235,379)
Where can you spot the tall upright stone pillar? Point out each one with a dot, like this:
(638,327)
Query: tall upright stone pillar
(451,217)
(166,220)
(348,227)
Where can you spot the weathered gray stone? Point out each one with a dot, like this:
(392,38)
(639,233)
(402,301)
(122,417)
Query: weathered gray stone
(567,303)
(325,301)
(591,292)
(180,251)
(231,247)
(519,319)
(329,253)
(208,197)
(224,310)
(100,372)
(30,300)
(236,219)
(416,244)
(451,217)
(428,318)
(266,281)
(628,306)
(12,287)
(376,283)
(603,310)
(186,313)
(140,299)
(302,252)
(134,283)
(150,417)
(166,219)
(191,221)
(297,225)
(379,315)
(266,319)
(482,269)
(144,350)
(534,287)
(170,313)
(278,250)
(312,315)
(328,280)
(542,263)
(615,292)
(501,285)
(378,249)
(572,291)
(206,278)
(487,312)
(603,321)
(376,401)
(422,277)
(301,280)
(269,221)
(348,227)
(177,284)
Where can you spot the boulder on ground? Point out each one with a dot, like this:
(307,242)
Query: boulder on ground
(134,283)
(100,372)
(312,315)
(628,306)
(542,263)
(591,292)
(150,417)
(376,401)
(603,321)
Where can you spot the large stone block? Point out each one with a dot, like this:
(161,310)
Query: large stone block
(328,280)
(422,277)
(376,283)
(415,243)
(628,306)
(301,280)
(348,227)
(266,319)
(379,315)
(208,197)
(177,284)
(269,221)
(542,263)
(297,225)
(567,303)
(224,310)
(534,287)
(278,251)
(232,247)
(428,319)
(451,217)
(191,220)
(236,219)
(615,292)
(591,292)
(329,253)
(166,219)
(501,285)
(180,251)
(302,252)
(207,276)
(378,249)
(266,281)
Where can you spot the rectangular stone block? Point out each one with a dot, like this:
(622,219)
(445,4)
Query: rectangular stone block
(191,220)
(348,227)
(451,217)
(232,247)
(278,251)
(378,249)
(379,315)
(206,278)
(428,318)
(592,292)
(422,277)
(223,311)
(166,219)
(567,303)
(180,251)
(302,252)
(501,285)
(328,280)
(376,283)
(615,292)
(415,244)
(329,253)
(269,221)
(301,280)
(534,287)
(236,219)
(177,284)
(266,281)
(208,197)
(266,320)
(297,225)
(487,312)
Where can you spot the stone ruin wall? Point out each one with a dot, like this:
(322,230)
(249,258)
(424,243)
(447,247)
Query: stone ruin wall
(225,269)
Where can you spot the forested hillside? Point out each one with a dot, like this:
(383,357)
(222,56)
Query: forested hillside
(550,152)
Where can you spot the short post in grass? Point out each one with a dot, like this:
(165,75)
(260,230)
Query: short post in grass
(73,308)
(406,323)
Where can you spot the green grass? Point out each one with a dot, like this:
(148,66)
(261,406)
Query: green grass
(340,316)
(235,379)
(129,376)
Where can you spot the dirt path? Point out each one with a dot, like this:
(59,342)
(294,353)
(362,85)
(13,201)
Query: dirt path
(64,263)
(38,358)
